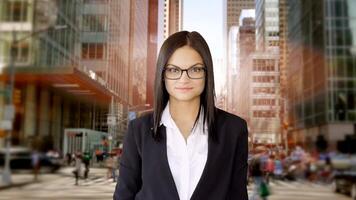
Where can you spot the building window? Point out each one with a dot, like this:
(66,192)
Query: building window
(264,114)
(96,1)
(93,51)
(264,90)
(15,11)
(264,79)
(264,102)
(20,52)
(94,23)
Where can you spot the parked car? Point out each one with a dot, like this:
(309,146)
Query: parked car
(21,159)
(344,175)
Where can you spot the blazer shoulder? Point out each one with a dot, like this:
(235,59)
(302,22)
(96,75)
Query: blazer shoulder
(146,119)
(230,118)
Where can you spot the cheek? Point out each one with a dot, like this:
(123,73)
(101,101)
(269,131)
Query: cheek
(168,85)
(202,84)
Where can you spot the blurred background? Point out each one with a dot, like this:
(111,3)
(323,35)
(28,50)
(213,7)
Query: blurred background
(74,72)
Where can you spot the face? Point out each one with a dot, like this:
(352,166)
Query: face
(185,88)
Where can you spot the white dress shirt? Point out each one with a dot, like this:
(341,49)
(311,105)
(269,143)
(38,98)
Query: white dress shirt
(186,159)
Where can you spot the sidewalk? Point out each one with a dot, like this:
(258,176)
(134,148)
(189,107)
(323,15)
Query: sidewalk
(17,180)
(23,178)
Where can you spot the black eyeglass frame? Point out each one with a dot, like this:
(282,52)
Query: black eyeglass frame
(200,66)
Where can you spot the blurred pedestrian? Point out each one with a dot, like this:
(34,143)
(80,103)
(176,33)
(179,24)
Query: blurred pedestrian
(36,164)
(69,158)
(109,163)
(257,175)
(77,167)
(278,169)
(326,171)
(86,161)
(269,169)
(115,166)
(99,156)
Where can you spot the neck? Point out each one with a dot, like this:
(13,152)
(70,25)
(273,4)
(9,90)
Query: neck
(184,110)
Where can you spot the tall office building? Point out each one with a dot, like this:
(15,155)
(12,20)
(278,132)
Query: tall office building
(267,25)
(265,99)
(105,33)
(232,70)
(173,17)
(152,48)
(283,62)
(138,52)
(52,89)
(231,22)
(234,8)
(99,52)
(247,48)
(123,37)
(322,69)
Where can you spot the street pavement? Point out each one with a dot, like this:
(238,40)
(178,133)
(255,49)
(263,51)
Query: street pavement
(60,186)
(300,190)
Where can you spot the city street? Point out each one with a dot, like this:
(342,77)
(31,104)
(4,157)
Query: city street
(299,190)
(61,187)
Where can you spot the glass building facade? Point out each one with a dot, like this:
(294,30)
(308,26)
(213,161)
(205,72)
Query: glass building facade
(48,49)
(322,68)
(267,25)
(52,89)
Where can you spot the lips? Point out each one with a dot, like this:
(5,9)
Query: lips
(184,88)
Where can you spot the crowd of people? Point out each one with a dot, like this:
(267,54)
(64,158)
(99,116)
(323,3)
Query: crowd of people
(82,162)
(276,164)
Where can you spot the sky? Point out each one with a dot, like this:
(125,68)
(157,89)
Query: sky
(247,13)
(206,17)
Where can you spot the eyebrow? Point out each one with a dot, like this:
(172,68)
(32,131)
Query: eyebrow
(188,67)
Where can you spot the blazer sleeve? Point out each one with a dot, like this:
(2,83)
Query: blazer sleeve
(238,186)
(129,182)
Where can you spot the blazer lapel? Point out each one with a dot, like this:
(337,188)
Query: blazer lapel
(203,178)
(164,161)
(212,147)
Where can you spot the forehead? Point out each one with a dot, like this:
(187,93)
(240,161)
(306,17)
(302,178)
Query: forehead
(185,57)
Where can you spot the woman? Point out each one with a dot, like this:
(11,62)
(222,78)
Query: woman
(187,148)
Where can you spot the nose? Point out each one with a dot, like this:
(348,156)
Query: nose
(184,76)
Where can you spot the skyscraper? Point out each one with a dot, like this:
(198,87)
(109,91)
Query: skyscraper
(267,25)
(265,98)
(67,77)
(247,47)
(173,20)
(234,8)
(321,70)
(53,89)
(283,62)
(231,22)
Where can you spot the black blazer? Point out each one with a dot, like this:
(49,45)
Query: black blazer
(145,172)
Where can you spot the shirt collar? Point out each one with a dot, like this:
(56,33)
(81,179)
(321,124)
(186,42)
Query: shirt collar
(168,121)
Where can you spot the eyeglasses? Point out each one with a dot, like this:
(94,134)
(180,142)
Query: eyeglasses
(173,72)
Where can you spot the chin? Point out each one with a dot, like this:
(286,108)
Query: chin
(185,97)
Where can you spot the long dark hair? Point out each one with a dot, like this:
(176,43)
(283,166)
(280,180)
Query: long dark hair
(207,98)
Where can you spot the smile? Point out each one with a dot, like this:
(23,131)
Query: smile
(184,88)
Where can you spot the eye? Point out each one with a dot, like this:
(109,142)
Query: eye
(173,70)
(197,69)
